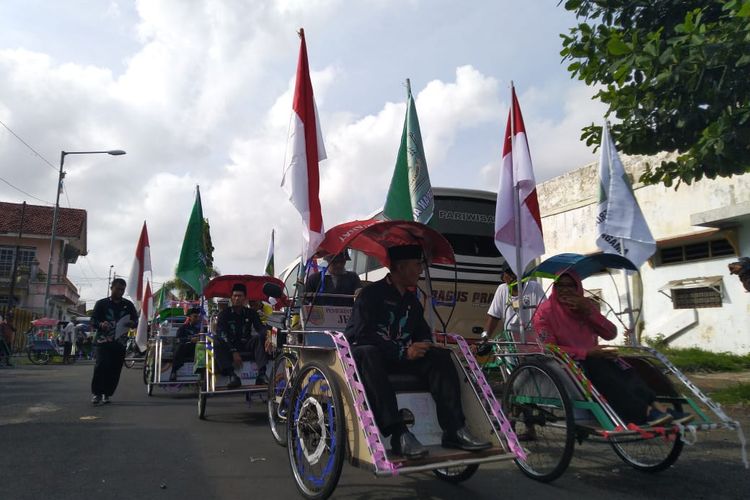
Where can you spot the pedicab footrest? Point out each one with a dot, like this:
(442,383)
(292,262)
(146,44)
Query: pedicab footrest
(441,458)
(404,382)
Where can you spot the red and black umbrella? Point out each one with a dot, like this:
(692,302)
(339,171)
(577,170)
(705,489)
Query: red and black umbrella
(375,237)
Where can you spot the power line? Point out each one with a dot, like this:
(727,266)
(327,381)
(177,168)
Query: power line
(27,145)
(24,192)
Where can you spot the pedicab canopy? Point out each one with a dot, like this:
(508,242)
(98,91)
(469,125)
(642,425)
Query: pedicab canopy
(221,286)
(583,265)
(375,237)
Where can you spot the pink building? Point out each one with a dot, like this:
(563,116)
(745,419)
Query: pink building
(25,232)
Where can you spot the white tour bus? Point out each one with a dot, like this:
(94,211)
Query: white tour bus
(466,217)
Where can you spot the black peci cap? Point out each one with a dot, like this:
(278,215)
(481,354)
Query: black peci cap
(239,287)
(405,252)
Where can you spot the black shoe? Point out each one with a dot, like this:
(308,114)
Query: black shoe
(261,379)
(173,377)
(234,381)
(407,445)
(463,440)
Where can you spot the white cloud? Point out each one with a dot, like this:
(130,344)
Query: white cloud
(206,97)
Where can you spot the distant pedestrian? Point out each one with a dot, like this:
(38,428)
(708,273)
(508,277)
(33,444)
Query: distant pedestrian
(69,338)
(7,337)
(112,317)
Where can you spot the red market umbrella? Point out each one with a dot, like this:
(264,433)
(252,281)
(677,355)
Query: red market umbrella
(45,322)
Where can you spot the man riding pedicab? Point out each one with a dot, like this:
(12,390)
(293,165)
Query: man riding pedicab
(390,335)
(239,330)
(185,340)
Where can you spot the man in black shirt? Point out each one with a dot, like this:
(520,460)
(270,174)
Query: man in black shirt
(390,335)
(109,314)
(336,280)
(234,335)
(187,336)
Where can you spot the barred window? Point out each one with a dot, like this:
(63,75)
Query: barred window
(693,298)
(25,258)
(696,251)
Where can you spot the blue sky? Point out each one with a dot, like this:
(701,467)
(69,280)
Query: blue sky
(199,92)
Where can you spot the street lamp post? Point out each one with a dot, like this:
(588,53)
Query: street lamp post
(109,278)
(61,176)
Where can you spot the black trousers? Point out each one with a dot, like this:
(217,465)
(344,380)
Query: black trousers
(182,353)
(624,389)
(109,359)
(255,345)
(67,348)
(436,366)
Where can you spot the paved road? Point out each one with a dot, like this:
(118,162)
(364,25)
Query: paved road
(54,444)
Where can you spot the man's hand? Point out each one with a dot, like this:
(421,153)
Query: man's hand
(418,350)
(236,360)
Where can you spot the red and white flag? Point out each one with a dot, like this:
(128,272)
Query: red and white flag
(301,178)
(141,333)
(510,216)
(141,265)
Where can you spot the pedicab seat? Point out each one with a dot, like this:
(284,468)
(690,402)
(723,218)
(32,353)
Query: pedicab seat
(404,382)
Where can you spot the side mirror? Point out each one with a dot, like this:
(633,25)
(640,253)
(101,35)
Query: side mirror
(273,290)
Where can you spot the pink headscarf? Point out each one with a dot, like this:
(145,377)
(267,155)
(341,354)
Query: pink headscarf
(575,334)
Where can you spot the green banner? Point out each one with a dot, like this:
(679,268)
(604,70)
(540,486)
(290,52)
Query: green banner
(410,193)
(192,267)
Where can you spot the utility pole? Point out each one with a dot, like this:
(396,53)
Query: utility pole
(12,298)
(109,279)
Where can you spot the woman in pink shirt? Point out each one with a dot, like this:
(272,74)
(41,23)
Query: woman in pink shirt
(574,323)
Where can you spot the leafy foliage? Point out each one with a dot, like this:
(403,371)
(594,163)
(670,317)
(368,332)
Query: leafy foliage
(675,75)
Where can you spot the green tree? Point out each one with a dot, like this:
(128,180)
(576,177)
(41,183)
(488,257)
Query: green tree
(675,76)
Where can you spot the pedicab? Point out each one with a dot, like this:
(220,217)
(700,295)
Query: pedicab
(212,383)
(44,342)
(157,367)
(551,403)
(318,404)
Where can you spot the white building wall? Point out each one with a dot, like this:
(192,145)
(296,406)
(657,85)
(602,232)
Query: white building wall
(569,208)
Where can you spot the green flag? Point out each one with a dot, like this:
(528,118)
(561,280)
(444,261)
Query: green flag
(269,270)
(161,300)
(192,267)
(410,194)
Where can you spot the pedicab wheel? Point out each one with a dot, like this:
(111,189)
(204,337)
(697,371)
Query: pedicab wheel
(456,474)
(315,432)
(146,370)
(541,415)
(649,454)
(39,357)
(279,390)
(201,405)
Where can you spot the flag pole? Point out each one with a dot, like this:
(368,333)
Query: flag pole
(631,320)
(516,212)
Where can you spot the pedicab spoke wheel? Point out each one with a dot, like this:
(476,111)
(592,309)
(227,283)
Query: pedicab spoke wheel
(456,474)
(541,414)
(279,391)
(315,432)
(39,357)
(648,453)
